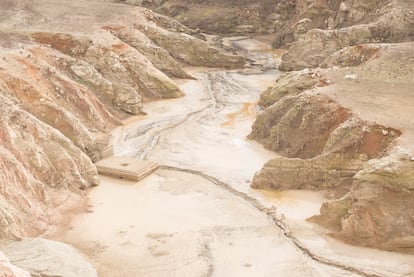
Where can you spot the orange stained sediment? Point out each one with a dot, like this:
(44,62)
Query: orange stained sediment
(247,110)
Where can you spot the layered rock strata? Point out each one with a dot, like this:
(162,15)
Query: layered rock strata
(344,24)
(334,136)
(224,17)
(68,78)
(321,144)
(378,210)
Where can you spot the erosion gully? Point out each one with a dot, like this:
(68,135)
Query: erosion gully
(197,215)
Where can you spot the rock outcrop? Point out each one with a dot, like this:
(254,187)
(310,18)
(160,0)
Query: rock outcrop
(298,126)
(224,17)
(35,79)
(158,56)
(132,73)
(42,174)
(346,149)
(190,50)
(325,15)
(43,257)
(66,80)
(365,167)
(290,20)
(353,56)
(378,211)
(355,23)
(7,269)
(289,84)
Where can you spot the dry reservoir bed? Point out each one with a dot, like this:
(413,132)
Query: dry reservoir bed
(180,224)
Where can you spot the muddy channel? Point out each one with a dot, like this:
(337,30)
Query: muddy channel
(197,215)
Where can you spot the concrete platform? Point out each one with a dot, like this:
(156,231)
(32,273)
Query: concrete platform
(126,168)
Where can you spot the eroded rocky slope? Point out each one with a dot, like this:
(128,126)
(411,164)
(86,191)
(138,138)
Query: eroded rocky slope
(69,73)
(323,27)
(311,29)
(224,17)
(344,129)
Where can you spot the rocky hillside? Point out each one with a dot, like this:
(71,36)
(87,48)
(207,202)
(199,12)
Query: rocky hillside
(346,129)
(316,28)
(321,29)
(224,17)
(69,73)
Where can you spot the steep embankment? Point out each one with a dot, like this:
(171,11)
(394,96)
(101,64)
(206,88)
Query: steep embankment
(336,130)
(65,82)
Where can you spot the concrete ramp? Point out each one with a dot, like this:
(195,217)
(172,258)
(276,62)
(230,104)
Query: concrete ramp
(126,168)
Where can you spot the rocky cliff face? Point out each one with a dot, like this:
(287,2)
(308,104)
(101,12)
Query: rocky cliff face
(65,82)
(289,21)
(313,119)
(42,173)
(378,211)
(322,145)
(324,27)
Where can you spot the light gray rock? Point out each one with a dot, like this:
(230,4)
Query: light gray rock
(46,258)
(8,269)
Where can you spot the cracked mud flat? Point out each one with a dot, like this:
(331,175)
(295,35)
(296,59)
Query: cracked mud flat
(176,223)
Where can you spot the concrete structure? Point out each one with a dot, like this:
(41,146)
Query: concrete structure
(126,168)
